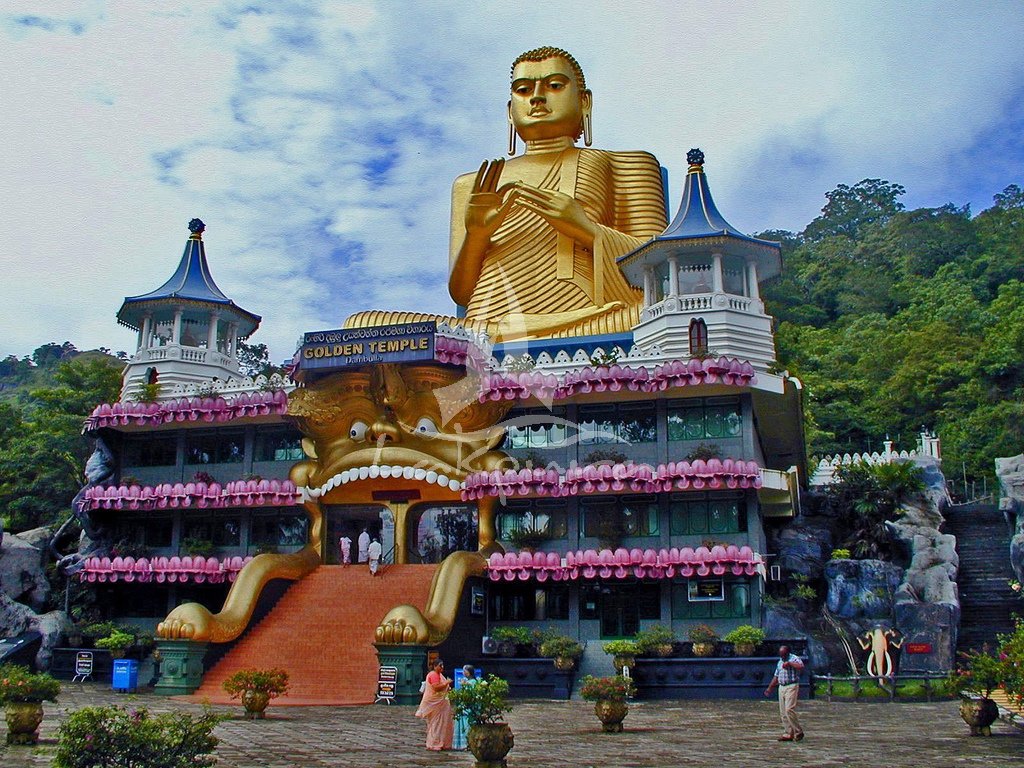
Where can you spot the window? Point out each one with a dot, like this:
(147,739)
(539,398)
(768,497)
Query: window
(545,517)
(150,532)
(277,528)
(708,514)
(527,602)
(698,337)
(215,448)
(734,276)
(622,423)
(695,278)
(278,445)
(614,519)
(221,529)
(536,429)
(151,451)
(620,607)
(736,604)
(702,419)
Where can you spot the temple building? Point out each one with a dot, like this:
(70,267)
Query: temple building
(596,443)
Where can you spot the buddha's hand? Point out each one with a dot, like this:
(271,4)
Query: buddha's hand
(560,210)
(488,204)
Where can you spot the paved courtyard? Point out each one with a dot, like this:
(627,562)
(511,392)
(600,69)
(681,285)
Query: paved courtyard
(556,734)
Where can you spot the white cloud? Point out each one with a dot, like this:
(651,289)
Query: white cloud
(318,140)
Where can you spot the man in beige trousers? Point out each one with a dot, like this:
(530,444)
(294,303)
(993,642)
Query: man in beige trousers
(787,678)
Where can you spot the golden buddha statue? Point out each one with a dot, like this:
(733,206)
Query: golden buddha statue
(534,239)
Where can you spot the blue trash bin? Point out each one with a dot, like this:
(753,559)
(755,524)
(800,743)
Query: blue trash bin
(126,675)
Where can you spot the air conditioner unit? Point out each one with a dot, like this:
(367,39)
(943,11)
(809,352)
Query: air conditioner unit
(775,573)
(489,645)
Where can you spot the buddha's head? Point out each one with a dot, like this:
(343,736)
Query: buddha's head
(549,95)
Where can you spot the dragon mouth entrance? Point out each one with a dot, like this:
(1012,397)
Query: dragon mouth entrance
(441,479)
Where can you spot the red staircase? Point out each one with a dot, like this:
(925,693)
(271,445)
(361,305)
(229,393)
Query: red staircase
(321,633)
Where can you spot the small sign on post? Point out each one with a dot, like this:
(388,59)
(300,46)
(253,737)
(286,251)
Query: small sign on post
(387,680)
(83,666)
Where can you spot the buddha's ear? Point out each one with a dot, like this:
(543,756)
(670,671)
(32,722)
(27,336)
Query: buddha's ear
(586,100)
(586,106)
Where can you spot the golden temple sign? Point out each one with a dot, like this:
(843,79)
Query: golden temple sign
(324,351)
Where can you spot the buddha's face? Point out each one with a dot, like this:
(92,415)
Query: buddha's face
(546,101)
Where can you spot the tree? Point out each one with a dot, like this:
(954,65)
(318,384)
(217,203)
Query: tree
(254,360)
(42,451)
(850,208)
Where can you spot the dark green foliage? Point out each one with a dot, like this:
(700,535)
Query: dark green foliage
(898,319)
(115,737)
(42,451)
(866,497)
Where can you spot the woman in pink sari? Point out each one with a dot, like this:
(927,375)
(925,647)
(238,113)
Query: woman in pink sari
(436,709)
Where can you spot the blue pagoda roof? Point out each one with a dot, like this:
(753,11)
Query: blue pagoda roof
(191,284)
(698,222)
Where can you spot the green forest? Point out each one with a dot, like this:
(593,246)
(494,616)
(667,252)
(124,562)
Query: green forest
(893,320)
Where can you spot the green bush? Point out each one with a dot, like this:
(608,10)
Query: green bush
(272,682)
(746,633)
(18,684)
(840,554)
(621,648)
(562,647)
(516,635)
(481,702)
(648,640)
(99,629)
(116,641)
(114,737)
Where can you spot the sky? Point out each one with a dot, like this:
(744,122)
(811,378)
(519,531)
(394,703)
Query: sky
(318,140)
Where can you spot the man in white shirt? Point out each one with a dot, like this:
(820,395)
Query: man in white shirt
(787,678)
(374,552)
(346,550)
(364,545)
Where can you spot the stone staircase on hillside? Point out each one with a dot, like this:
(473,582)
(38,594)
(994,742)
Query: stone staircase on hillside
(321,633)
(986,603)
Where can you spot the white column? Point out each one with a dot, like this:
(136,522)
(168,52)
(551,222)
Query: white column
(716,273)
(176,331)
(232,339)
(211,338)
(753,290)
(673,276)
(648,286)
(145,340)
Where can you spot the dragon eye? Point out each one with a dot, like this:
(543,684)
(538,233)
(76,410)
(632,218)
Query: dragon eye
(358,430)
(426,426)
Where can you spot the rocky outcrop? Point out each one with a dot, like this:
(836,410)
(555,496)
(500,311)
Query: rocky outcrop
(24,591)
(804,546)
(862,589)
(1010,472)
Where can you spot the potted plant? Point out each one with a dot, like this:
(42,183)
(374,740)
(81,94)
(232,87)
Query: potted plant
(527,539)
(703,638)
(483,704)
(117,642)
(512,640)
(256,687)
(745,639)
(22,694)
(655,641)
(979,674)
(623,653)
(609,697)
(564,650)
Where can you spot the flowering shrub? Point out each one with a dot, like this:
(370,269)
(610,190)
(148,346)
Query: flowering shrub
(272,682)
(745,633)
(621,648)
(561,646)
(114,737)
(615,688)
(482,702)
(18,684)
(981,672)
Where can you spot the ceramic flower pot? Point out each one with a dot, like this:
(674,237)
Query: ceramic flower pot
(743,649)
(489,743)
(255,703)
(979,714)
(704,649)
(664,650)
(623,661)
(23,719)
(565,663)
(611,714)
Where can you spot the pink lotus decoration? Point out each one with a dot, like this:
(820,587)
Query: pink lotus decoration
(594,479)
(163,569)
(208,409)
(240,493)
(719,560)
